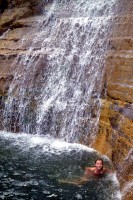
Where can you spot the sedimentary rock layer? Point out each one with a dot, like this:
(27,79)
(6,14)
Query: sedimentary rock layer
(115,137)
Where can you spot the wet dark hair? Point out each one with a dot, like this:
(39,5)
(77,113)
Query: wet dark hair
(99,159)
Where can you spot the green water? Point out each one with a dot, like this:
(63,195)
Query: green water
(31,166)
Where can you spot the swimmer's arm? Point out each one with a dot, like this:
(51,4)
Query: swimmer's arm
(80,181)
(88,172)
(77,182)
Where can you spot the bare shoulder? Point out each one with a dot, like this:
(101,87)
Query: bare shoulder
(90,168)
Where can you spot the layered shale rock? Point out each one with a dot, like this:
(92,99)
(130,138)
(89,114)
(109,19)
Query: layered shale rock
(12,30)
(18,21)
(115,137)
(11,11)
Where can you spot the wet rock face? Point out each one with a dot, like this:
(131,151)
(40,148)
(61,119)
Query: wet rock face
(15,22)
(5,83)
(125,175)
(115,136)
(10,4)
(12,10)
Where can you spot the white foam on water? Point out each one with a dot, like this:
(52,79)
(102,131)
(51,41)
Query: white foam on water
(117,194)
(63,146)
(27,141)
(51,146)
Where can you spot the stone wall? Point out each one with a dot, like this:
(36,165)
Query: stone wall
(115,136)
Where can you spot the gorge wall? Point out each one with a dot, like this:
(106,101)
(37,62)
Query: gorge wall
(115,136)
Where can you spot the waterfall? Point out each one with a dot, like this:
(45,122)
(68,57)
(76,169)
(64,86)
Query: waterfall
(54,94)
(57,83)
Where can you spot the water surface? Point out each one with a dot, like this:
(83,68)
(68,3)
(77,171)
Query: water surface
(31,167)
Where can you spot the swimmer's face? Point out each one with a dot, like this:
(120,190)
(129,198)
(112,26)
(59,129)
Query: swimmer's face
(99,164)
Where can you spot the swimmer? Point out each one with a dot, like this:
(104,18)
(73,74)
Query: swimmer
(97,171)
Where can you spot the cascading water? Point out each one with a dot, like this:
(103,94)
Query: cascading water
(57,84)
(55,92)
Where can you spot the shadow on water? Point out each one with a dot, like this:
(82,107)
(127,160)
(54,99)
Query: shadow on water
(31,167)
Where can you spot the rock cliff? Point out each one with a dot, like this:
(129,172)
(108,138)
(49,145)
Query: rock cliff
(115,136)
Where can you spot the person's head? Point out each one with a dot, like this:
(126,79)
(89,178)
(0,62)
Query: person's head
(99,164)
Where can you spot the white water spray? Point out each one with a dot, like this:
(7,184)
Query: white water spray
(57,85)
